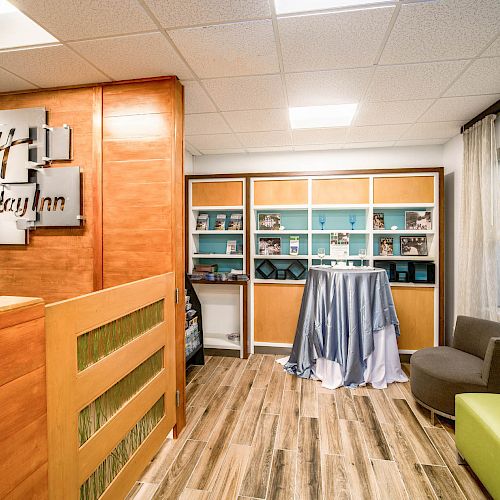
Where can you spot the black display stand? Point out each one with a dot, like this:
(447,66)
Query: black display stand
(197,357)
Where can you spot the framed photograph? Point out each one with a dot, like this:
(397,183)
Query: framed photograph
(386,247)
(269,246)
(378,220)
(413,245)
(270,222)
(231,246)
(418,221)
(339,246)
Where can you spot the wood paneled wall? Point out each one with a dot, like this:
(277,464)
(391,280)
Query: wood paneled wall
(23,406)
(58,263)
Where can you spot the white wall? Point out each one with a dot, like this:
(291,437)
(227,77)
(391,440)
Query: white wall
(293,161)
(188,163)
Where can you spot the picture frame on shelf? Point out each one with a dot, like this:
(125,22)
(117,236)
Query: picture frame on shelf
(339,246)
(231,247)
(378,220)
(294,245)
(414,246)
(416,220)
(269,246)
(269,222)
(386,247)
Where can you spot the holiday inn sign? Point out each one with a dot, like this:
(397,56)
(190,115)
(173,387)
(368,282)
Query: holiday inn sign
(33,194)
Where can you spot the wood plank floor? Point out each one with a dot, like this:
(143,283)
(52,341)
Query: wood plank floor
(255,432)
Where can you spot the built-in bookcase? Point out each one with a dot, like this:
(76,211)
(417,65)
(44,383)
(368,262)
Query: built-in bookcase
(311,207)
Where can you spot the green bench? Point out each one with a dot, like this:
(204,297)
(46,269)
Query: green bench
(477,436)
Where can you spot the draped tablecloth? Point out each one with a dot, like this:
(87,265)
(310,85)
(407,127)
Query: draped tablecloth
(347,328)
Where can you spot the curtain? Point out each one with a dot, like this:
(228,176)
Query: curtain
(479,268)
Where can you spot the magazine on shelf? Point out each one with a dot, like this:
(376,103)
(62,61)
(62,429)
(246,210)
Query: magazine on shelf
(235,222)
(269,246)
(339,246)
(378,220)
(231,247)
(386,247)
(270,222)
(202,222)
(220,222)
(294,245)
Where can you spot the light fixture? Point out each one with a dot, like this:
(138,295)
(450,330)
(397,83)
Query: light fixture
(333,115)
(295,6)
(19,30)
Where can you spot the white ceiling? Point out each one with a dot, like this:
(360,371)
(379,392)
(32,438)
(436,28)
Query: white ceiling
(419,69)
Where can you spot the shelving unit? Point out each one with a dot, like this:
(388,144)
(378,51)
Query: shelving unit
(300,200)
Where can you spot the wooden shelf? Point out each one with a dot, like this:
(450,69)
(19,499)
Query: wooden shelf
(280,208)
(403,205)
(279,282)
(220,207)
(228,282)
(341,206)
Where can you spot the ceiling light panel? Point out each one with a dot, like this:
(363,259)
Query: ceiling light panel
(296,6)
(334,115)
(19,30)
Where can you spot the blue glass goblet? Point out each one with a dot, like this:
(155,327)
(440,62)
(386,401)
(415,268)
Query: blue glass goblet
(322,220)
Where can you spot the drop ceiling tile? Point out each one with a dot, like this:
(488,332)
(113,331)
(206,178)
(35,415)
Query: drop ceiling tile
(235,49)
(368,145)
(458,108)
(493,50)
(319,136)
(265,139)
(257,120)
(447,29)
(254,92)
(10,82)
(196,99)
(134,56)
(436,130)
(318,147)
(481,77)
(315,88)
(222,151)
(214,141)
(333,40)
(379,133)
(206,123)
(270,149)
(53,66)
(420,142)
(175,13)
(413,81)
(77,19)
(386,113)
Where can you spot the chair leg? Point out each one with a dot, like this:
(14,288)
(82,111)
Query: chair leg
(460,460)
(433,418)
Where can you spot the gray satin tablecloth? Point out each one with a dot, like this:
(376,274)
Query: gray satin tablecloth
(340,311)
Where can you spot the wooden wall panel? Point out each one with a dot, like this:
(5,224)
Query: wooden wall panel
(284,192)
(23,401)
(417,189)
(138,180)
(340,191)
(58,263)
(276,320)
(415,310)
(217,194)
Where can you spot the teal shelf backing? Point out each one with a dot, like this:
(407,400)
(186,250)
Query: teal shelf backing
(338,220)
(396,216)
(291,219)
(216,243)
(225,265)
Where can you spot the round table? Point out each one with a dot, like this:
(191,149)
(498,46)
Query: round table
(347,329)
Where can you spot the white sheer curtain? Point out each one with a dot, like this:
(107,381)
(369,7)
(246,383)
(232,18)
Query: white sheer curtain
(480,221)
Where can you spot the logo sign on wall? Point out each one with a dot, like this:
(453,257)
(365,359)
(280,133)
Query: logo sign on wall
(32,194)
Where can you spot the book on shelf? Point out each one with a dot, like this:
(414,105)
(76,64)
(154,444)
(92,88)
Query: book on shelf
(386,247)
(269,222)
(378,220)
(235,222)
(231,247)
(220,222)
(339,246)
(294,245)
(202,222)
(205,268)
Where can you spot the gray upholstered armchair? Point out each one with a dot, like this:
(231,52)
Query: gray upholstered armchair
(472,365)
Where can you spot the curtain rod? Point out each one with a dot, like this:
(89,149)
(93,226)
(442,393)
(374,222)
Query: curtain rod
(494,109)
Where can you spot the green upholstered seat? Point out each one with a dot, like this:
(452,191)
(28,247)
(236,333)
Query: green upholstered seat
(477,436)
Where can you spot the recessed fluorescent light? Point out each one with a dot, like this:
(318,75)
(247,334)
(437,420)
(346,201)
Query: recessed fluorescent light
(334,115)
(293,6)
(19,30)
